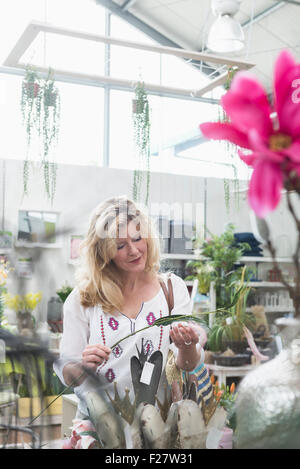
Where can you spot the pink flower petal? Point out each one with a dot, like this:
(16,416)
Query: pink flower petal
(265,187)
(224,131)
(287,93)
(67,444)
(249,159)
(247,105)
(293,151)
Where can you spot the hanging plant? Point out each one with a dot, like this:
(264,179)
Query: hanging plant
(232,152)
(31,100)
(141,127)
(49,131)
(40,107)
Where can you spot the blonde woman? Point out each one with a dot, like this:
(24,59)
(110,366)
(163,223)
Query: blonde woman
(120,291)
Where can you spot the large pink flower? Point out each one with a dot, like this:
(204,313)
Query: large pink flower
(271,133)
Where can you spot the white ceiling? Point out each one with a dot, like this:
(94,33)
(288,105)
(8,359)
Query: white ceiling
(269,26)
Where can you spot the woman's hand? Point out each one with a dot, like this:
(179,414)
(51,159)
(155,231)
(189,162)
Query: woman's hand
(94,355)
(184,336)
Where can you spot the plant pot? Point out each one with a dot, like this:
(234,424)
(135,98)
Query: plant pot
(56,326)
(32,89)
(235,360)
(24,404)
(25,321)
(237,346)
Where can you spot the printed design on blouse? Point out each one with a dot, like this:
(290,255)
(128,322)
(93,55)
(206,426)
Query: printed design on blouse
(102,330)
(113,323)
(110,375)
(161,332)
(150,319)
(117,351)
(148,347)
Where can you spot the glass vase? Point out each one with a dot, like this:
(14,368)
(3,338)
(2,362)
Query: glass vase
(267,408)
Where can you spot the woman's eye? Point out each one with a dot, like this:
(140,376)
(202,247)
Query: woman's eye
(120,246)
(137,239)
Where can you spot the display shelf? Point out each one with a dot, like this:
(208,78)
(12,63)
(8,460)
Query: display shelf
(287,260)
(23,244)
(264,284)
(180,257)
(278,309)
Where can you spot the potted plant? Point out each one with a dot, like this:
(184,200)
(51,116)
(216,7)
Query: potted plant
(31,101)
(24,305)
(40,108)
(64,292)
(141,128)
(203,271)
(220,254)
(49,131)
(228,330)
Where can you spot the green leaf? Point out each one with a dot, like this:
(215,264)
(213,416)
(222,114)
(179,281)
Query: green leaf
(90,433)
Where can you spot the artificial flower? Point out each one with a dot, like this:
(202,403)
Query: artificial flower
(270,132)
(82,436)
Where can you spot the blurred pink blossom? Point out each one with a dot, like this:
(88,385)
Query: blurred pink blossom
(270,132)
(77,440)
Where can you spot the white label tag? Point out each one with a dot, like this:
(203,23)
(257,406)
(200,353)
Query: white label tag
(147,373)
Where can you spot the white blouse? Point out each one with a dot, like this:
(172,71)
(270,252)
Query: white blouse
(83,326)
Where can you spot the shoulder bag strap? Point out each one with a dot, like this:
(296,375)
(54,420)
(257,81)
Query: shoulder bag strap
(168,292)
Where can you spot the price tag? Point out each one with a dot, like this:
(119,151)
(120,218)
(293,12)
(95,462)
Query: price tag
(147,373)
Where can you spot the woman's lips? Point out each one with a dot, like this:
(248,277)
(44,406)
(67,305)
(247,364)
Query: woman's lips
(135,261)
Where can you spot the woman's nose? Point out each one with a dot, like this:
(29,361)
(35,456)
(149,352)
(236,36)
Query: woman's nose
(132,248)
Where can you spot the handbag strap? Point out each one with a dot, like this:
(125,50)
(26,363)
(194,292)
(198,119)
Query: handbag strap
(168,292)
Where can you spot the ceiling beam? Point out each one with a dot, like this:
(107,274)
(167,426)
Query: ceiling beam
(128,4)
(137,23)
(268,11)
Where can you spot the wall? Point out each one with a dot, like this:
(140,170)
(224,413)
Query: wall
(81,188)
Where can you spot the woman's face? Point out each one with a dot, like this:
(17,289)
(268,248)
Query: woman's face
(131,250)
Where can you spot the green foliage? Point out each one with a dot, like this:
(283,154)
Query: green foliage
(229,324)
(221,255)
(64,292)
(141,126)
(203,272)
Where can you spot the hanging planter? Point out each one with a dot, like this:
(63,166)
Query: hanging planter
(31,99)
(40,107)
(141,127)
(49,131)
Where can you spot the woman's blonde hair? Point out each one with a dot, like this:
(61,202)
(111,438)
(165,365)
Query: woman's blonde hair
(98,277)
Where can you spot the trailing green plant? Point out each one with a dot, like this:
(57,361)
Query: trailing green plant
(49,130)
(141,129)
(31,102)
(231,151)
(40,108)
